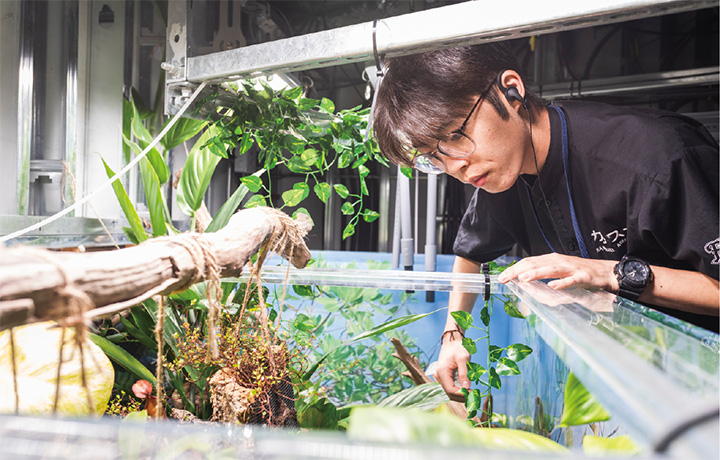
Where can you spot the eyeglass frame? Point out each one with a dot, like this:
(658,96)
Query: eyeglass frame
(459,131)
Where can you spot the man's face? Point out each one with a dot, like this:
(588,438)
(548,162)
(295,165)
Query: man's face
(502,151)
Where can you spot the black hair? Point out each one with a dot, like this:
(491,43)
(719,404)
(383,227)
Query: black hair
(422,94)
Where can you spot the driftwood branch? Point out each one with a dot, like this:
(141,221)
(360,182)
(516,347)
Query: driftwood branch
(418,376)
(129,276)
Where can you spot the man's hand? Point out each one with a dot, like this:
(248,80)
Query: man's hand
(453,357)
(566,271)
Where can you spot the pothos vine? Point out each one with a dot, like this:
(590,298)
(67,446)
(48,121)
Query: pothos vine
(488,376)
(302,134)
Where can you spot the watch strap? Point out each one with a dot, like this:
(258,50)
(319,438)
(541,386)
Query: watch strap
(629,294)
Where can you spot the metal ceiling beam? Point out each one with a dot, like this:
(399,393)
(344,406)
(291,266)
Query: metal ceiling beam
(461,24)
(630,84)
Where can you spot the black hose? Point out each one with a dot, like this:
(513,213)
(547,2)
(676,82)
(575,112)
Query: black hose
(662,444)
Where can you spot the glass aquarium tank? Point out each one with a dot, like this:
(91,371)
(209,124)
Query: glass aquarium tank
(593,373)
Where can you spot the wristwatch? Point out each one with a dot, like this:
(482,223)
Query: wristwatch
(633,275)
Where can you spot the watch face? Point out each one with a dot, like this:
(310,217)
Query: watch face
(636,272)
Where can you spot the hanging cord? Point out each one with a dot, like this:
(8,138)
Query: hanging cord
(380,73)
(542,191)
(105,184)
(661,445)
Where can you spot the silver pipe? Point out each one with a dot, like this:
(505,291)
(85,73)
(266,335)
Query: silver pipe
(396,226)
(384,209)
(26,105)
(71,95)
(431,223)
(406,236)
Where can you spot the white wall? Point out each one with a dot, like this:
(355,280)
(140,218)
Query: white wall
(100,81)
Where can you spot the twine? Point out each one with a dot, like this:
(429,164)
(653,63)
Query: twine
(77,302)
(74,189)
(160,338)
(14,370)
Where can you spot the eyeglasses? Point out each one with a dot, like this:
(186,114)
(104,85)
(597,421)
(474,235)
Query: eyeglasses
(456,144)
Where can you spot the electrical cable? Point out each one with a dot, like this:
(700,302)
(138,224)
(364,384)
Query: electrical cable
(661,445)
(127,167)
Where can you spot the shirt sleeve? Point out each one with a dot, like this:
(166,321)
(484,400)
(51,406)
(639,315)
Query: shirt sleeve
(480,238)
(679,215)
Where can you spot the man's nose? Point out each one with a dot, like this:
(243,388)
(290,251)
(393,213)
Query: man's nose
(455,166)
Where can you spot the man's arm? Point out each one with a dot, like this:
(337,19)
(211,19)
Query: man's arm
(683,290)
(453,355)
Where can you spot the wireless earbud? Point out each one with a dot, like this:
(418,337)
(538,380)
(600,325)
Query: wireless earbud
(511,93)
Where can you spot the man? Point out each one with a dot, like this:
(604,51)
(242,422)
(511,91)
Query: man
(602,197)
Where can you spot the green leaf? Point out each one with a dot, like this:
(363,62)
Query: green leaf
(321,415)
(407,171)
(323,191)
(414,427)
(494,353)
(127,127)
(306,103)
(427,396)
(507,366)
(327,105)
(196,174)
(230,206)
(385,327)
(130,235)
(144,139)
(255,201)
(475,371)
(123,358)
(349,230)
(297,194)
(598,446)
(463,319)
(518,351)
(297,165)
(347,208)
(512,310)
(494,379)
(303,211)
(341,190)
(138,334)
(183,130)
(153,195)
(345,160)
(580,407)
(473,400)
(126,205)
(302,290)
(246,141)
(485,316)
(309,157)
(370,216)
(253,183)
(293,93)
(469,345)
(304,323)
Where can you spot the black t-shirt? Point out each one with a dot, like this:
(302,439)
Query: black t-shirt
(643,182)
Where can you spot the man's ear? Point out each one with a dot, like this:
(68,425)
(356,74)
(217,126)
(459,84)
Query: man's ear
(512,86)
